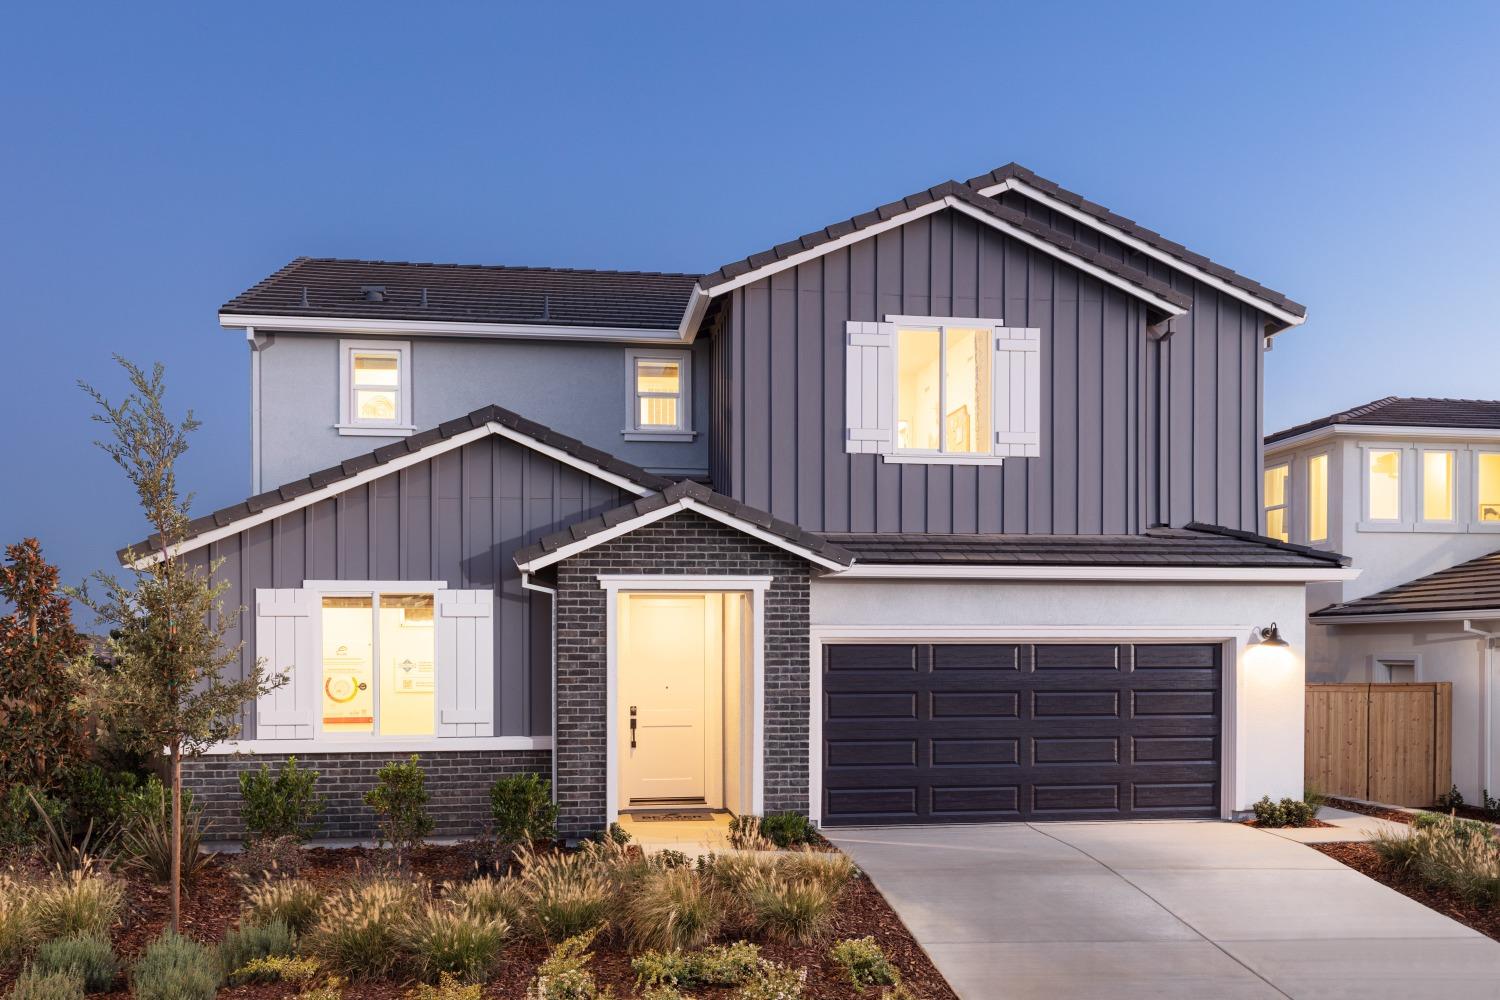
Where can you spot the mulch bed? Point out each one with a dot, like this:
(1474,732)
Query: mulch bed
(1310,823)
(1380,812)
(211,906)
(1364,859)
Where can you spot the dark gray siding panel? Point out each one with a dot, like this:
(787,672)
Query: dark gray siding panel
(459,518)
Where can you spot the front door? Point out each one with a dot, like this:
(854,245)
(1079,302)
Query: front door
(669,694)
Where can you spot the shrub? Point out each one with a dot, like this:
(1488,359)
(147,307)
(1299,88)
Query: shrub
(488,898)
(1287,812)
(36,985)
(1491,806)
(290,901)
(251,942)
(671,908)
(745,834)
(563,975)
(276,969)
(268,858)
(1451,799)
(718,965)
(24,816)
(443,943)
(448,988)
(358,934)
(775,982)
(175,968)
(736,871)
(670,858)
(86,956)
(16,918)
(399,800)
(284,804)
(1450,824)
(663,993)
(786,829)
(864,963)
(568,893)
(795,912)
(829,869)
(523,809)
(1463,862)
(332,989)
(146,833)
(79,902)
(1401,849)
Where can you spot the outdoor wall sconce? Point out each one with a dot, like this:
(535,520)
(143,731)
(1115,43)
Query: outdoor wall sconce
(1270,637)
(1269,650)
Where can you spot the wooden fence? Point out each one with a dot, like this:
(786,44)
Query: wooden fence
(1383,742)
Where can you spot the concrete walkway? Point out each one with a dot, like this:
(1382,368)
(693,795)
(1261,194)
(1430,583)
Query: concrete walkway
(1161,910)
(1344,826)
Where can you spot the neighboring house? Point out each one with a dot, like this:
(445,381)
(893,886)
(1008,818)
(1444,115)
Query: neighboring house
(942,513)
(1410,490)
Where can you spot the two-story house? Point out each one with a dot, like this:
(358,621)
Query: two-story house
(945,512)
(1410,490)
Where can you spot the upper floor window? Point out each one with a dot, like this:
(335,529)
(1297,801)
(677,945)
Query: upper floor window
(943,396)
(1487,486)
(1317,498)
(1437,485)
(374,388)
(1275,502)
(659,402)
(1383,485)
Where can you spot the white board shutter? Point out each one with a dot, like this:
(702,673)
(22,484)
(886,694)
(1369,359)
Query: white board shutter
(1018,391)
(869,387)
(465,662)
(286,644)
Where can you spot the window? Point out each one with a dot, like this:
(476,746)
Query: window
(659,402)
(1317,498)
(1437,485)
(1384,484)
(1275,502)
(378,656)
(943,397)
(374,388)
(1487,486)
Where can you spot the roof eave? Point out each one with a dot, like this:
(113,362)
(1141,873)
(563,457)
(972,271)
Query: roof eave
(265,322)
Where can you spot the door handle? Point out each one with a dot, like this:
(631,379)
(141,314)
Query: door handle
(632,727)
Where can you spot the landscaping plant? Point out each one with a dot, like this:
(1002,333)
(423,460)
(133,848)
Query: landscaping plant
(36,985)
(567,893)
(359,933)
(146,842)
(864,963)
(16,918)
(175,968)
(76,902)
(448,988)
(829,869)
(440,941)
(254,942)
(399,800)
(276,969)
(775,982)
(716,965)
(284,804)
(564,975)
(523,810)
(745,835)
(795,912)
(268,858)
(292,901)
(672,908)
(87,956)
(1287,812)
(486,898)
(1451,799)
(786,829)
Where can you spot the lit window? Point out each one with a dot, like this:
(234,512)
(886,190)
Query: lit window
(943,396)
(1437,485)
(659,399)
(374,388)
(1275,502)
(1317,498)
(1488,486)
(377,386)
(378,653)
(1384,487)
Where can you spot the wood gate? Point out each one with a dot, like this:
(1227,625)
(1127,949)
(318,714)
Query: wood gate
(1388,743)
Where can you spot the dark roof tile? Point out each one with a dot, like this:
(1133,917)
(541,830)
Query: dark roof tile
(1472,586)
(1406,411)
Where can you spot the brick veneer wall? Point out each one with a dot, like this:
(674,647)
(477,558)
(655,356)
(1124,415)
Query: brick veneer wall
(458,781)
(683,543)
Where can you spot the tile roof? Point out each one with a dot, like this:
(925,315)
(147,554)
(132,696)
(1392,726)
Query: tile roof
(1407,411)
(465,293)
(1469,586)
(954,189)
(414,444)
(1195,545)
(1130,226)
(817,544)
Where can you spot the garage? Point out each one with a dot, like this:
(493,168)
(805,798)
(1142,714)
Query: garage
(980,732)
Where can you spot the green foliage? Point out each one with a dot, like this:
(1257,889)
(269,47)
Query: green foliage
(268,858)
(488,898)
(1287,812)
(523,809)
(36,985)
(1491,806)
(671,908)
(718,965)
(745,834)
(1451,824)
(795,912)
(775,982)
(1315,799)
(663,993)
(99,795)
(291,901)
(736,871)
(251,942)
(786,829)
(17,920)
(1459,855)
(564,975)
(567,893)
(175,968)
(87,956)
(25,814)
(359,932)
(146,833)
(332,989)
(830,869)
(864,963)
(284,804)
(1451,799)
(616,834)
(442,942)
(448,988)
(399,800)
(76,902)
(276,969)
(669,858)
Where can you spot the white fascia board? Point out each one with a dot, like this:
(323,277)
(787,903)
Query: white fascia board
(1129,574)
(1136,243)
(687,330)
(427,328)
(389,744)
(1384,432)
(1415,618)
(343,485)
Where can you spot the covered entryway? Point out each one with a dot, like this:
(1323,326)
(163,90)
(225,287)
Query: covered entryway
(973,732)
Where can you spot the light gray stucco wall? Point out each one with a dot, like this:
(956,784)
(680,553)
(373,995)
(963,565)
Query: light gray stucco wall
(575,388)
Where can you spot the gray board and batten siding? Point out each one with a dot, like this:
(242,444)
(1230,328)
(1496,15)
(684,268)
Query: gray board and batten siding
(1114,460)
(458,517)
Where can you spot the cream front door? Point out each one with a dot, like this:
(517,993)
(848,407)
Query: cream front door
(670,686)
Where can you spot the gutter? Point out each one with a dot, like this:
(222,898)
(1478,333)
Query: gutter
(551,592)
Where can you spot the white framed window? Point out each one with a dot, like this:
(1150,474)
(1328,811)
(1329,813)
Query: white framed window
(1382,477)
(1275,482)
(659,397)
(1487,489)
(1439,485)
(375,388)
(1317,498)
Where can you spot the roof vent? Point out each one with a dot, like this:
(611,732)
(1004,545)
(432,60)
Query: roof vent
(373,293)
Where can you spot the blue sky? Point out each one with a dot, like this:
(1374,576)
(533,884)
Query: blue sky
(157,159)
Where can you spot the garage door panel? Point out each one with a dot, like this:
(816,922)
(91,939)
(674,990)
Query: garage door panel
(873,705)
(863,659)
(1075,798)
(1174,749)
(863,804)
(976,657)
(1179,703)
(872,753)
(1075,704)
(973,802)
(1183,795)
(1075,750)
(975,705)
(971,752)
(1058,656)
(1176,657)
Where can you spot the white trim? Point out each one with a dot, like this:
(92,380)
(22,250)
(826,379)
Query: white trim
(683,359)
(1406,493)
(350,424)
(687,330)
(939,458)
(1385,431)
(1385,660)
(1475,614)
(358,587)
(1286,501)
(429,328)
(393,744)
(1135,242)
(394,465)
(756,586)
(964,321)
(257,343)
(1234,638)
(1136,574)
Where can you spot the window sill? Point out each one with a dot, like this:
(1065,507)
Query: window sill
(633,435)
(398,744)
(366,430)
(1383,526)
(899,459)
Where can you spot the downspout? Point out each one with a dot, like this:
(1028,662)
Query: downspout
(551,592)
(1488,677)
(255,346)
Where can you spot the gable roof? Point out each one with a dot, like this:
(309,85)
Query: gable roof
(468,293)
(1471,587)
(685,495)
(1021,179)
(1406,411)
(418,447)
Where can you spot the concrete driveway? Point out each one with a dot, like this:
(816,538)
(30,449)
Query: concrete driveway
(1161,910)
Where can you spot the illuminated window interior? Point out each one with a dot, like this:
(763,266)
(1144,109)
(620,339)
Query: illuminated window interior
(1487,486)
(1275,502)
(1317,498)
(658,391)
(403,688)
(376,384)
(943,390)
(1437,485)
(1385,485)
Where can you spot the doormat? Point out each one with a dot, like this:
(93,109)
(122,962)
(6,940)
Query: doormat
(685,816)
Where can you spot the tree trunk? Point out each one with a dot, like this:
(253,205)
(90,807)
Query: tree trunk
(176,879)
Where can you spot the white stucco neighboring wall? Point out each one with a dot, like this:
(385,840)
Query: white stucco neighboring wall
(1263,705)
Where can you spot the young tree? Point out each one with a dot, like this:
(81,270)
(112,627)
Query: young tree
(168,621)
(41,729)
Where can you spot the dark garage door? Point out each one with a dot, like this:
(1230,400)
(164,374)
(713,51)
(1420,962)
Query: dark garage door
(944,733)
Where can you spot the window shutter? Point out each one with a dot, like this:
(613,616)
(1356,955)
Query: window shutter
(285,643)
(1018,391)
(869,387)
(465,662)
